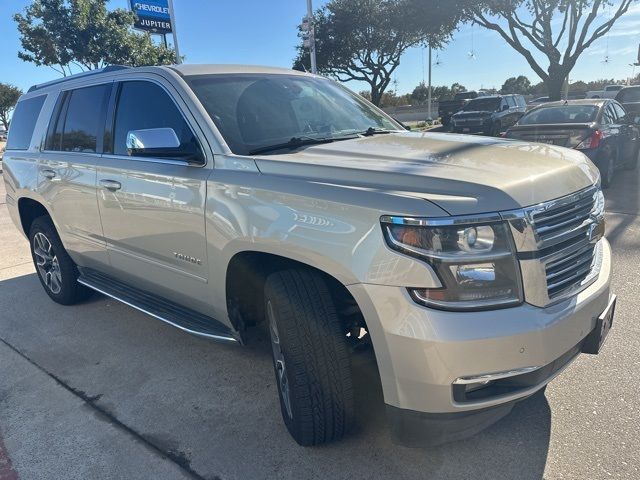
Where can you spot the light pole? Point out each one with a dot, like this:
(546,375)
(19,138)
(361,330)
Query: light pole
(429,114)
(172,14)
(311,37)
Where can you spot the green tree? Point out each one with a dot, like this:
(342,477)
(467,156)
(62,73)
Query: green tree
(560,30)
(84,34)
(519,84)
(363,40)
(9,96)
(457,88)
(420,94)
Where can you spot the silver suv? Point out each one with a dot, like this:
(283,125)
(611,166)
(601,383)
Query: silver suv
(215,198)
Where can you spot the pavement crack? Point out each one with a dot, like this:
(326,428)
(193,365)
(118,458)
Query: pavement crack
(177,458)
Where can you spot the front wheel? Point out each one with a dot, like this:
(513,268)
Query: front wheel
(310,357)
(58,274)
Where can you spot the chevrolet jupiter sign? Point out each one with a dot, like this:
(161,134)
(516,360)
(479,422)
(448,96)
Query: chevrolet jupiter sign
(152,15)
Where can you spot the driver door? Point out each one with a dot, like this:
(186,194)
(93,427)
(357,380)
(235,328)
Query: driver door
(153,209)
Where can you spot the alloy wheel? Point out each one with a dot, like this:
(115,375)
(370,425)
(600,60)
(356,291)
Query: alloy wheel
(279,361)
(47,263)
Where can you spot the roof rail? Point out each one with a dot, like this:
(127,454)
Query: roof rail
(110,68)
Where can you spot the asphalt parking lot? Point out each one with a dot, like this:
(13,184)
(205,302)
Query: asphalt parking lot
(100,390)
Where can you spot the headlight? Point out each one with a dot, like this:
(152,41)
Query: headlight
(475,261)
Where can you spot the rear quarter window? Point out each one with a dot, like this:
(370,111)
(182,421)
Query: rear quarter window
(23,123)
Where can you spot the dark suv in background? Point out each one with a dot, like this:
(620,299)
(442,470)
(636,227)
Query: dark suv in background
(490,115)
(629,97)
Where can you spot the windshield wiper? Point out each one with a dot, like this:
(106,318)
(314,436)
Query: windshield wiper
(373,131)
(295,142)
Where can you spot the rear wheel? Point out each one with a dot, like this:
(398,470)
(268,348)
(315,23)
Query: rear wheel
(607,166)
(310,357)
(632,164)
(58,274)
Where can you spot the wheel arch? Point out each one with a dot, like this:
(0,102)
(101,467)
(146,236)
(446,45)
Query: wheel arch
(246,274)
(28,210)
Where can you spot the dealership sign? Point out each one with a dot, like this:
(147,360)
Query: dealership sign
(152,15)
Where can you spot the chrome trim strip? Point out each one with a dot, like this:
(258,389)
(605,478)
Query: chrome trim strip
(192,332)
(489,377)
(442,221)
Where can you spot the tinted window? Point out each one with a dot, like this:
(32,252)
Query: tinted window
(486,104)
(253,111)
(560,114)
(80,118)
(23,123)
(520,101)
(629,95)
(607,115)
(620,112)
(511,101)
(143,105)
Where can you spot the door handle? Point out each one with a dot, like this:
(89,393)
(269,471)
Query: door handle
(50,174)
(111,185)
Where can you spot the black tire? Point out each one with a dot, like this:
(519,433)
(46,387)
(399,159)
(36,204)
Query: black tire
(314,379)
(607,167)
(63,288)
(632,164)
(496,130)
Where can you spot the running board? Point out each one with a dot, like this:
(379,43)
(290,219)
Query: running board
(169,312)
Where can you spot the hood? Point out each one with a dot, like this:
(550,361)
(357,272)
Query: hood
(462,174)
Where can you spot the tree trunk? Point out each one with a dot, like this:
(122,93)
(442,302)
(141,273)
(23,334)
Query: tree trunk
(376,95)
(555,82)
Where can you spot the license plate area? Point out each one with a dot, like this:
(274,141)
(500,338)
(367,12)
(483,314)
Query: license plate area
(595,340)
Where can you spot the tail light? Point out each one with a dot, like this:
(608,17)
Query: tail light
(592,141)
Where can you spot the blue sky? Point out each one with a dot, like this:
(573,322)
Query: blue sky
(264,32)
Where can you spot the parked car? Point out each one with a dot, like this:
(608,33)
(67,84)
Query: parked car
(629,97)
(537,101)
(490,115)
(446,108)
(610,91)
(216,198)
(601,129)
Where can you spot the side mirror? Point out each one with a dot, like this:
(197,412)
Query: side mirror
(161,143)
(505,107)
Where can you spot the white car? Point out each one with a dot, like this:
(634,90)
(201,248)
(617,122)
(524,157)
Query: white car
(610,91)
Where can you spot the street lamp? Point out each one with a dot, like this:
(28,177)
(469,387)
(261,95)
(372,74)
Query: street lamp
(308,36)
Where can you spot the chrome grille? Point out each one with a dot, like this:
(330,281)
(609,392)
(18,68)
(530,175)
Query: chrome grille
(569,271)
(558,243)
(565,219)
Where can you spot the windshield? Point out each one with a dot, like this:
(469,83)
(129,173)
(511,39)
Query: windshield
(254,111)
(629,95)
(483,105)
(560,114)
(465,95)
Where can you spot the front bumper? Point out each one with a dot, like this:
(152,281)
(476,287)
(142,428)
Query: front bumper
(421,352)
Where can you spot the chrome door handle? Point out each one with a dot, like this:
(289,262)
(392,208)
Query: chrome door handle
(111,185)
(50,174)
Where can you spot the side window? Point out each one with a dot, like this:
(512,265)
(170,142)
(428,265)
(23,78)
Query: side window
(521,101)
(620,112)
(80,120)
(143,105)
(511,101)
(23,123)
(607,115)
(503,103)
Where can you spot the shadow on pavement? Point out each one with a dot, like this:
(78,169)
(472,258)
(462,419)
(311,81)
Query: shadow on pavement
(214,407)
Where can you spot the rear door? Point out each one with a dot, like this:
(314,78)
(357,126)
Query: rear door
(67,171)
(153,209)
